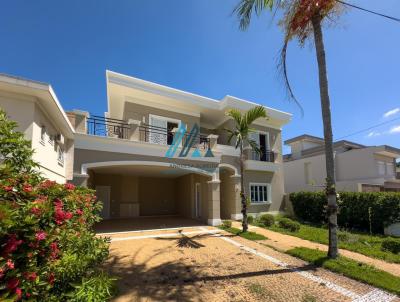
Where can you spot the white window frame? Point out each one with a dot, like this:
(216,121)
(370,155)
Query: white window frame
(269,193)
(60,159)
(167,119)
(43,135)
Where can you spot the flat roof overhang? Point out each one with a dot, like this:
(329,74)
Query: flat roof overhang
(122,89)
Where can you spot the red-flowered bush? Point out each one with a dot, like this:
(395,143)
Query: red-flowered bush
(47,246)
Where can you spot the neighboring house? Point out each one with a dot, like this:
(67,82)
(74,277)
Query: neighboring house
(358,168)
(40,117)
(125,157)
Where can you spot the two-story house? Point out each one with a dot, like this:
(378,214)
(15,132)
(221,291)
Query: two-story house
(36,109)
(358,168)
(162,151)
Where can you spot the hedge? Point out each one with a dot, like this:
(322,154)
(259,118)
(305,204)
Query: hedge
(359,211)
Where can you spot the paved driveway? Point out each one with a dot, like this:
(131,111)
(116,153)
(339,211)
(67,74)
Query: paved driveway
(198,263)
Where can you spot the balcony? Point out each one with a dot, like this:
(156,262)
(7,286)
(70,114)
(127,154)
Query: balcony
(137,131)
(264,161)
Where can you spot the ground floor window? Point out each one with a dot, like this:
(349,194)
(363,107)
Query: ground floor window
(260,192)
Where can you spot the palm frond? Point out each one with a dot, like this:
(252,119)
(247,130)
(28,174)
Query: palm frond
(253,144)
(254,114)
(236,115)
(283,69)
(245,8)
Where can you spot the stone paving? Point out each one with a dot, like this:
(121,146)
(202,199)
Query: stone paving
(201,263)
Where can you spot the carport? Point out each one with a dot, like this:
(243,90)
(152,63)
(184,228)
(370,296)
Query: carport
(131,191)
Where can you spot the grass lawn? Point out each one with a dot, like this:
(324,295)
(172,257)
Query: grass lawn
(360,243)
(350,268)
(246,235)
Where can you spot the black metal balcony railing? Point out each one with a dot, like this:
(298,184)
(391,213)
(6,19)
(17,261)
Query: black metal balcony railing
(164,136)
(267,156)
(103,126)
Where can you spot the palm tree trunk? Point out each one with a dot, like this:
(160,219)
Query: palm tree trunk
(329,155)
(242,194)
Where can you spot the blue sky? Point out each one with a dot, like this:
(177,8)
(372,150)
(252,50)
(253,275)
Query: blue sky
(196,46)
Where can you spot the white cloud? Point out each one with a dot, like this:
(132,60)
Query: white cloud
(395,129)
(391,112)
(373,134)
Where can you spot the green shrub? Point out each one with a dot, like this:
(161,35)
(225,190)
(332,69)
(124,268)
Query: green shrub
(289,224)
(227,224)
(46,238)
(357,210)
(99,287)
(267,220)
(391,245)
(250,219)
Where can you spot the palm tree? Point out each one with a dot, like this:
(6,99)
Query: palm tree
(303,19)
(241,134)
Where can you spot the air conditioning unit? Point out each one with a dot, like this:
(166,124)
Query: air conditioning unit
(59,138)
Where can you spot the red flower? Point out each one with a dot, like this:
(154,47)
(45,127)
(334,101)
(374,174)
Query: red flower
(68,215)
(69,186)
(41,235)
(36,211)
(11,245)
(51,279)
(18,291)
(8,188)
(79,212)
(27,188)
(31,276)
(12,283)
(54,250)
(10,264)
(47,184)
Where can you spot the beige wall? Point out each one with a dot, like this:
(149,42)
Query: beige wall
(30,118)
(277,190)
(141,113)
(353,168)
(294,174)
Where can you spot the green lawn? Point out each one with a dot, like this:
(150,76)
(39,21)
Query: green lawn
(360,243)
(350,268)
(247,235)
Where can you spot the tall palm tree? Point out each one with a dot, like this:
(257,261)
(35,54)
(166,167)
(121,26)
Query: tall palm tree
(303,19)
(241,134)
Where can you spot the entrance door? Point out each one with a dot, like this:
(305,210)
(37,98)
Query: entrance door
(103,194)
(197,200)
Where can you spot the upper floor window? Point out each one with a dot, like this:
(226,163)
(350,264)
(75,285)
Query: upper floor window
(381,168)
(389,168)
(262,140)
(43,135)
(60,155)
(51,140)
(260,193)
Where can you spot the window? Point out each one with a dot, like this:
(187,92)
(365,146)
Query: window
(60,156)
(390,169)
(51,140)
(42,135)
(260,193)
(381,168)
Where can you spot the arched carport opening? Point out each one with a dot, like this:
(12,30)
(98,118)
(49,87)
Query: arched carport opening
(134,189)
